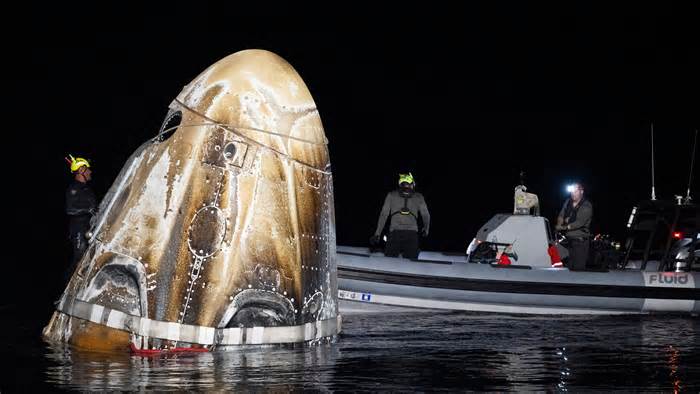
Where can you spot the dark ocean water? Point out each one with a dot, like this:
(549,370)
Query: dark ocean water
(452,351)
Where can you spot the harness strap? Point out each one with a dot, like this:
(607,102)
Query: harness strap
(405,210)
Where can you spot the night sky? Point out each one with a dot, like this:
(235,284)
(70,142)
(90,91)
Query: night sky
(464,102)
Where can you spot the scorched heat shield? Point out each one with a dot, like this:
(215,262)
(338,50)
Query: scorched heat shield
(220,230)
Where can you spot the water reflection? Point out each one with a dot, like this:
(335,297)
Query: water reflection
(424,352)
(674,340)
(564,371)
(276,368)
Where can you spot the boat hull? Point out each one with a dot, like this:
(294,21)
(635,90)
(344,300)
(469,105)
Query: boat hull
(374,282)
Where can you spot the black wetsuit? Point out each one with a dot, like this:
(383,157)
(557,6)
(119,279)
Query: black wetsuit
(81,205)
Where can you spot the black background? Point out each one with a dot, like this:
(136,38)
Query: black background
(464,99)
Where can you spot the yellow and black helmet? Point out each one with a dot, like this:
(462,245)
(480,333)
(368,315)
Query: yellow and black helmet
(76,162)
(407,178)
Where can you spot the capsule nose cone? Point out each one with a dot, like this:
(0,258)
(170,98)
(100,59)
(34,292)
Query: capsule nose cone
(262,97)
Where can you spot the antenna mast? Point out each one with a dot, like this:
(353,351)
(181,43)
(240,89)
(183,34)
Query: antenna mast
(692,164)
(653,191)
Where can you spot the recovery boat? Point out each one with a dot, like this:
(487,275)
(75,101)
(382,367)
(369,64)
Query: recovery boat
(656,271)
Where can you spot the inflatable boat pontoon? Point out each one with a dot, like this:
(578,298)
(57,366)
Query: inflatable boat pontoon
(372,282)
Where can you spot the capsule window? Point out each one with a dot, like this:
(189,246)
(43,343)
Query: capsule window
(230,151)
(170,124)
(234,153)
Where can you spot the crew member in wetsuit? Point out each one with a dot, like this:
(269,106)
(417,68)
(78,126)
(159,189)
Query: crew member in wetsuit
(403,206)
(81,206)
(574,221)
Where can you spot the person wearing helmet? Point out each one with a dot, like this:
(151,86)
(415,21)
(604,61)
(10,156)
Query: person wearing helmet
(81,205)
(403,207)
(574,221)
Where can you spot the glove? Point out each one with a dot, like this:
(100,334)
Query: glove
(374,240)
(424,232)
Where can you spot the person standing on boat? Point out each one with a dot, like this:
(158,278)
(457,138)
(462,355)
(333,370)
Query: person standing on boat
(403,207)
(574,221)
